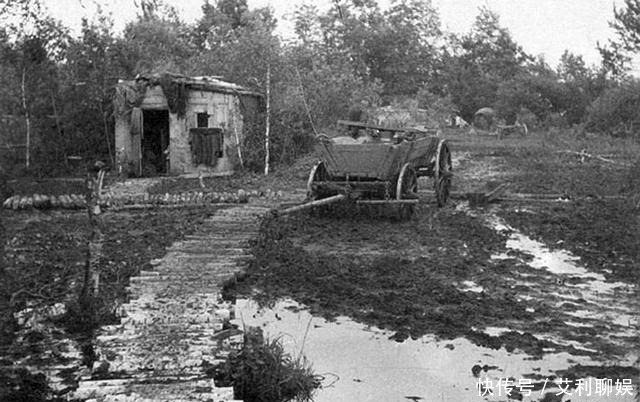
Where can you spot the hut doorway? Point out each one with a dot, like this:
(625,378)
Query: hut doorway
(155,142)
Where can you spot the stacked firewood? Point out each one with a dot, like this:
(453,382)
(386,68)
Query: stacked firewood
(108,200)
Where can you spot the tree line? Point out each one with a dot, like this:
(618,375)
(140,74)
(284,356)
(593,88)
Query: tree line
(58,87)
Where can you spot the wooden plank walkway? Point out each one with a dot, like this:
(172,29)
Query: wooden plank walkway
(167,333)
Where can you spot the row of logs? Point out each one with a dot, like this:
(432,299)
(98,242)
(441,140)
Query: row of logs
(189,198)
(40,201)
(108,200)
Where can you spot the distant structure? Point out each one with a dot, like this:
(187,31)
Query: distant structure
(484,118)
(172,124)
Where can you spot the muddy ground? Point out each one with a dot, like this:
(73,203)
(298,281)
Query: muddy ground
(465,271)
(469,270)
(45,255)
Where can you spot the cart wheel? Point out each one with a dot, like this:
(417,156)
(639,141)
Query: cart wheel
(318,173)
(407,188)
(442,173)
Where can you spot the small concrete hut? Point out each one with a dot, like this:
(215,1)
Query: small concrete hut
(172,124)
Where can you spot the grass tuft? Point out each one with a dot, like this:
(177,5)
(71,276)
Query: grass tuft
(263,372)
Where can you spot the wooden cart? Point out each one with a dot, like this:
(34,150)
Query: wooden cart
(380,165)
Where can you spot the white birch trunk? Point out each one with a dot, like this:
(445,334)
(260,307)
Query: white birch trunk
(266,134)
(27,118)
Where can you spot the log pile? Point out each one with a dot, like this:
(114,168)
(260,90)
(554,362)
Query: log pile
(114,202)
(42,201)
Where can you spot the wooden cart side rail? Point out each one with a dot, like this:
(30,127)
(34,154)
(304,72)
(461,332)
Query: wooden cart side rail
(358,183)
(375,160)
(360,124)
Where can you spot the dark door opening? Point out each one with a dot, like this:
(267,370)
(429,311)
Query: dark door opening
(155,142)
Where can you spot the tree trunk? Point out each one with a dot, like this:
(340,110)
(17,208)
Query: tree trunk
(26,116)
(266,134)
(304,102)
(106,133)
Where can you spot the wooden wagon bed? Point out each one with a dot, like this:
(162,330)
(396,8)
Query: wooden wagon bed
(383,166)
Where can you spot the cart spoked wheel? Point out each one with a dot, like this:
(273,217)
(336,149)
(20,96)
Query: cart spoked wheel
(318,174)
(442,173)
(407,189)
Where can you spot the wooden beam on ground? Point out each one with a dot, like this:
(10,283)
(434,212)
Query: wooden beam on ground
(496,192)
(317,203)
(584,154)
(538,195)
(517,199)
(129,207)
(382,202)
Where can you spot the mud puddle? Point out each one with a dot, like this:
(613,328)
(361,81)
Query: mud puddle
(618,298)
(361,363)
(608,311)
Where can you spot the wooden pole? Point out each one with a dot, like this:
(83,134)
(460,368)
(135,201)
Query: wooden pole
(238,144)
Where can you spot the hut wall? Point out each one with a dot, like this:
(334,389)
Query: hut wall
(124,146)
(223,112)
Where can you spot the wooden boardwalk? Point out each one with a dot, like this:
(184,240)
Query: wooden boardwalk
(171,328)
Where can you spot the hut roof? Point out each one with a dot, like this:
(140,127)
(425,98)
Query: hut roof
(204,83)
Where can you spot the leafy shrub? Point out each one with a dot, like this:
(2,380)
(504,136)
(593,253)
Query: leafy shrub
(20,386)
(291,136)
(262,372)
(615,111)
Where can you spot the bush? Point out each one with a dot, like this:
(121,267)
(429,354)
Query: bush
(5,190)
(21,386)
(262,372)
(291,136)
(615,111)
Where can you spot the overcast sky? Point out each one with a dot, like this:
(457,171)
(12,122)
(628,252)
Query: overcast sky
(545,27)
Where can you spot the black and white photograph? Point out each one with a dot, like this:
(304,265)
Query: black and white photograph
(319,200)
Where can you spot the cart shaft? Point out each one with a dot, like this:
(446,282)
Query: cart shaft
(324,201)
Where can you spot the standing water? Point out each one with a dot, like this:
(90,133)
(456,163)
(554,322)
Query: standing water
(361,363)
